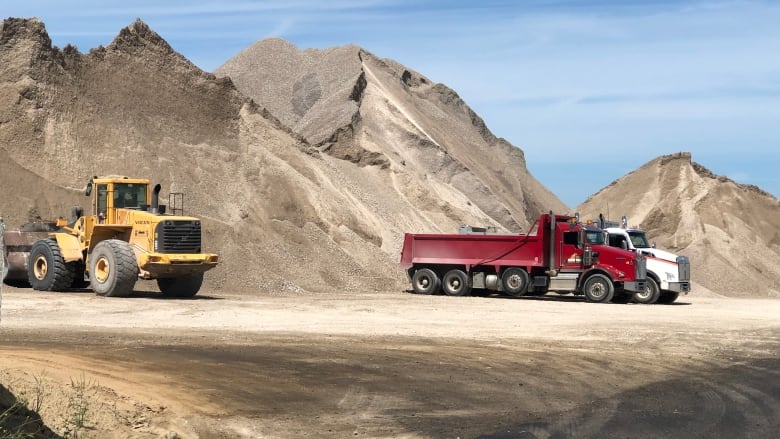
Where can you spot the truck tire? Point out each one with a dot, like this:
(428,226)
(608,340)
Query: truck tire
(598,288)
(514,281)
(184,286)
(650,295)
(113,268)
(456,283)
(46,269)
(425,281)
(668,297)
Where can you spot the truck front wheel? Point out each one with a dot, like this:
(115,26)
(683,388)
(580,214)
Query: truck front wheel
(651,293)
(456,283)
(425,281)
(598,288)
(515,281)
(113,268)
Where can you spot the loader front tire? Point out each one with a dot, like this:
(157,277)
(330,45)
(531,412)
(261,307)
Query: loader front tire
(113,268)
(184,286)
(46,268)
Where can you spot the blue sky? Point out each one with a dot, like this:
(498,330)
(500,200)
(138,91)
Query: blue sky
(590,90)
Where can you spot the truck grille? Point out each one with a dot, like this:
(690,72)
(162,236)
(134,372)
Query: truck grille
(684,268)
(177,237)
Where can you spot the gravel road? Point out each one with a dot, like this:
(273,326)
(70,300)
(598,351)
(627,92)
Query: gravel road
(395,365)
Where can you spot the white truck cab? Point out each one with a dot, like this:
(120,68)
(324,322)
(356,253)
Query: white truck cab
(668,275)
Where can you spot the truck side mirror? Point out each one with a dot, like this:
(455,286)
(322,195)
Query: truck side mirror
(653,244)
(88,190)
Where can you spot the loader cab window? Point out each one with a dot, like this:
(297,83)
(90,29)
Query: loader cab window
(102,192)
(129,195)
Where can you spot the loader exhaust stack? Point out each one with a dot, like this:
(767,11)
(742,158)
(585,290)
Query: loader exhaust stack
(155,207)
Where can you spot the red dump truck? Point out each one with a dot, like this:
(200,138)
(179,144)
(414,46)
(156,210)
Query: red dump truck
(558,254)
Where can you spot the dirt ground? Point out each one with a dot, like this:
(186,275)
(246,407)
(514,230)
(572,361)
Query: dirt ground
(394,365)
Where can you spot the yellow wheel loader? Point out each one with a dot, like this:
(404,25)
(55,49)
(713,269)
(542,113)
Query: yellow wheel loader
(128,236)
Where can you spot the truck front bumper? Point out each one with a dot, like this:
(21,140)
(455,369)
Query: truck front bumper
(635,286)
(680,287)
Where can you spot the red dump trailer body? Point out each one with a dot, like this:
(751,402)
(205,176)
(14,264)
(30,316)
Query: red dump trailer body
(558,254)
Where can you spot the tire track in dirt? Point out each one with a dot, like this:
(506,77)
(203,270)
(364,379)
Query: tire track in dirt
(713,401)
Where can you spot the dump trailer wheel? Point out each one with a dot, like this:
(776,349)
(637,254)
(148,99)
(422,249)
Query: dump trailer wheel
(46,268)
(456,283)
(668,297)
(598,288)
(650,295)
(515,281)
(113,268)
(184,286)
(425,281)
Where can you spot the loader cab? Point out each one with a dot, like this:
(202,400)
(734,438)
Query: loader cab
(109,194)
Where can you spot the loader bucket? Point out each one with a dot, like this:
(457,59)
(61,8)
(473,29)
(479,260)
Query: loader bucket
(15,246)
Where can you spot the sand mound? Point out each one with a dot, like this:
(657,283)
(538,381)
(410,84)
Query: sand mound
(729,230)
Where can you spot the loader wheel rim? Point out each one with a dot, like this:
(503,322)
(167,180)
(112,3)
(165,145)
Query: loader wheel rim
(102,270)
(40,267)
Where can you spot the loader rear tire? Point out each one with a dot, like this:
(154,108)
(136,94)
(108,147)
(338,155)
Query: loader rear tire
(184,286)
(113,268)
(46,268)
(598,288)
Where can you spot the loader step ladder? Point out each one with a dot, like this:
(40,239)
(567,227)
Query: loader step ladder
(176,202)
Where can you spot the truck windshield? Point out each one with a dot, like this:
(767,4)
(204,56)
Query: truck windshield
(638,238)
